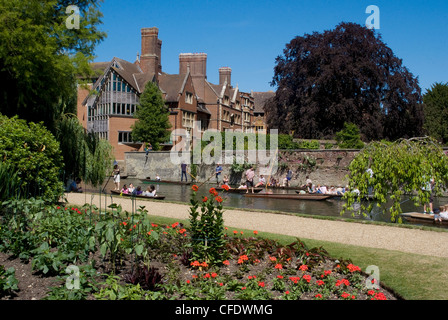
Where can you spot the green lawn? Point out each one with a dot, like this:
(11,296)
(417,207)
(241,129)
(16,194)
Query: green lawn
(413,276)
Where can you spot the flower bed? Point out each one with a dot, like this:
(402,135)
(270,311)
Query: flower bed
(125,256)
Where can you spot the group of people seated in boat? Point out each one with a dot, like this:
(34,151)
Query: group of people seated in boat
(150,191)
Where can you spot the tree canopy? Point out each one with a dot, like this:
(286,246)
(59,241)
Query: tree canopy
(400,171)
(40,58)
(344,75)
(435,102)
(153,118)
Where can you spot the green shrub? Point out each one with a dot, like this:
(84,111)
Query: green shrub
(349,137)
(34,154)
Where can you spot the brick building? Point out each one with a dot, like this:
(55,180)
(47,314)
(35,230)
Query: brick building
(114,95)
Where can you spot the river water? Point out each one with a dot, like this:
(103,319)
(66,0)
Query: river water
(333,207)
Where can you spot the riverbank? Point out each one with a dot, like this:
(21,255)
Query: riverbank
(407,240)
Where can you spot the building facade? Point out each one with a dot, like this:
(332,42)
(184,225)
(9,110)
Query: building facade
(107,105)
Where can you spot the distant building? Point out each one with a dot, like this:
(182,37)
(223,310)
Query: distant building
(107,105)
(260,99)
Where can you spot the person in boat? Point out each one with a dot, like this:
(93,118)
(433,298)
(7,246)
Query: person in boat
(443,214)
(131,188)
(225,180)
(157,178)
(137,191)
(150,191)
(125,189)
(261,181)
(117,177)
(339,191)
(250,173)
(429,188)
(324,189)
(242,186)
(310,188)
(273,182)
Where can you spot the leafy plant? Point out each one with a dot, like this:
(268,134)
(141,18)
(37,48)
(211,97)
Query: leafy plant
(207,228)
(34,154)
(8,280)
(147,277)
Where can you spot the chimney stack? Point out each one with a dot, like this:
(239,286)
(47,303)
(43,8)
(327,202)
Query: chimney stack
(197,62)
(150,59)
(225,73)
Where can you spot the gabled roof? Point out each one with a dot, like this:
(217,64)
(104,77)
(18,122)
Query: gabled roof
(260,99)
(172,85)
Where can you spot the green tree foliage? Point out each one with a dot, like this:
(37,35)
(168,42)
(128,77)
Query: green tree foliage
(40,57)
(349,137)
(153,123)
(400,169)
(345,74)
(85,154)
(34,154)
(435,102)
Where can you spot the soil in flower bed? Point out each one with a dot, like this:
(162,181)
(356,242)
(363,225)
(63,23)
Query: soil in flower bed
(267,274)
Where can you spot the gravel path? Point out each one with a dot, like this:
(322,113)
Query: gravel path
(423,242)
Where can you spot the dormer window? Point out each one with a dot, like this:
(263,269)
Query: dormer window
(189,97)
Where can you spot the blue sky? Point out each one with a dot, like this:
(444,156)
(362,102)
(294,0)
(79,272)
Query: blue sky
(248,35)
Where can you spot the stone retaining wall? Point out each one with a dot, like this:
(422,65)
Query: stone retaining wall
(328,167)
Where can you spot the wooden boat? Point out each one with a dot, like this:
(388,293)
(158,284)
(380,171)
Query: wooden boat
(152,181)
(236,190)
(421,217)
(156,197)
(333,196)
(315,197)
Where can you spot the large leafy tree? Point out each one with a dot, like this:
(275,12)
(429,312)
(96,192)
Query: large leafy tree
(44,54)
(435,102)
(344,75)
(40,57)
(153,118)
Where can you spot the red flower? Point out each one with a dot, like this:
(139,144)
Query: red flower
(255,232)
(225,187)
(219,199)
(195,188)
(307,277)
(175,224)
(261,284)
(303,267)
(212,190)
(319,296)
(320,282)
(278,266)
(226,262)
(353,268)
(204,199)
